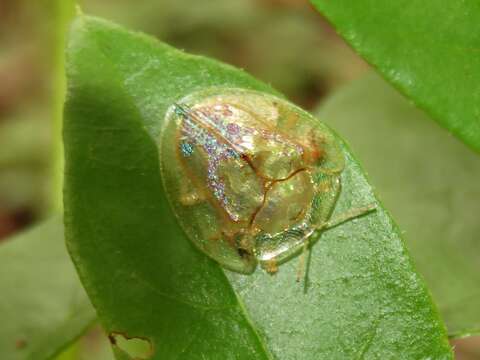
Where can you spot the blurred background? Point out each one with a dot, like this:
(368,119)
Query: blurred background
(282,42)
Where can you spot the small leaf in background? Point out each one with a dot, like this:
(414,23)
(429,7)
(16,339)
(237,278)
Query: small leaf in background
(427,180)
(429,50)
(146,279)
(43,306)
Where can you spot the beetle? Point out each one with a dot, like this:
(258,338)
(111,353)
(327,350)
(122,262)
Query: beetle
(249,176)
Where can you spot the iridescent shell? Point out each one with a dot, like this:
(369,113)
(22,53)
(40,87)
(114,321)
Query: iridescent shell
(249,176)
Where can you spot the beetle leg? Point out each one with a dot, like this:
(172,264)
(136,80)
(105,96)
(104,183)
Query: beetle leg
(338,220)
(347,216)
(303,257)
(270,266)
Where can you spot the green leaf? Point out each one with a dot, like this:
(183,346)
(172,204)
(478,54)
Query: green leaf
(43,306)
(432,190)
(429,50)
(146,279)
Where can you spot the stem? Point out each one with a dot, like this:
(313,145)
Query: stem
(64,11)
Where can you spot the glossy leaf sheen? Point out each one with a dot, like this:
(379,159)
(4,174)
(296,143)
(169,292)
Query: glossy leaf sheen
(428,49)
(432,189)
(147,280)
(43,306)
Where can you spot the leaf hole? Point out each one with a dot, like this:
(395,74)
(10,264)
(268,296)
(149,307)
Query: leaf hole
(136,347)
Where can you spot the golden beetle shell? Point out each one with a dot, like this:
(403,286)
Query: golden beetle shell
(249,175)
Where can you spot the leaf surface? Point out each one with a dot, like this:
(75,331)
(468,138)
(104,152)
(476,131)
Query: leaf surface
(431,188)
(43,306)
(146,279)
(430,50)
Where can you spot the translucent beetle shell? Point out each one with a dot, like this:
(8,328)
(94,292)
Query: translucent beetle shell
(249,176)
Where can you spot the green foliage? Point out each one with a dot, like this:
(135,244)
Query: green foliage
(146,280)
(429,50)
(43,306)
(250,34)
(429,187)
